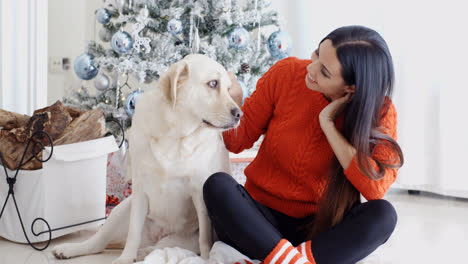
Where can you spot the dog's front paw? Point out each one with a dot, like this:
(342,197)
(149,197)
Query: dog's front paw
(65,251)
(124,260)
(205,250)
(143,252)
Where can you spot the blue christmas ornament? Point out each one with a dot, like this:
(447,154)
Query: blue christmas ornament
(121,42)
(132,99)
(239,38)
(245,91)
(174,26)
(103,16)
(280,44)
(84,66)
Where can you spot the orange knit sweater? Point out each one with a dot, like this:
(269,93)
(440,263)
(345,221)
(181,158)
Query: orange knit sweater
(290,169)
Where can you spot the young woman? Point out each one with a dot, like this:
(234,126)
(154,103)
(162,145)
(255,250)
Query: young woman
(330,135)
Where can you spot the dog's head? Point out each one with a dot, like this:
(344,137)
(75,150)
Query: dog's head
(198,85)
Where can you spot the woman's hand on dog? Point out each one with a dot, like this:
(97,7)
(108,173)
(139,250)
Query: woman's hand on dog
(235,90)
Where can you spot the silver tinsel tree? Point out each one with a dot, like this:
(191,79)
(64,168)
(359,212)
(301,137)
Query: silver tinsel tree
(161,32)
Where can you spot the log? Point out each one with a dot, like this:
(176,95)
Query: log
(10,120)
(88,126)
(53,120)
(12,151)
(74,112)
(65,125)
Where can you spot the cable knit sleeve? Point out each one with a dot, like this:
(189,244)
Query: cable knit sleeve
(376,189)
(258,110)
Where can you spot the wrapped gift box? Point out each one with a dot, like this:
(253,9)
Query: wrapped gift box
(69,189)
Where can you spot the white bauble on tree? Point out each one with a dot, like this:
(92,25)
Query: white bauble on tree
(103,16)
(174,26)
(121,42)
(84,66)
(280,44)
(131,101)
(101,82)
(239,38)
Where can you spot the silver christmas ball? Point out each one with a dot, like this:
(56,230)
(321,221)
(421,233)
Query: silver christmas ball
(103,16)
(101,82)
(105,35)
(121,42)
(174,26)
(84,66)
(239,38)
(280,44)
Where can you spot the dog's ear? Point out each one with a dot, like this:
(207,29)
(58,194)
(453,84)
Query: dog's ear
(171,80)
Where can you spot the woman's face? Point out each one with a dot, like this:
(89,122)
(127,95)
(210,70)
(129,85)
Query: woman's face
(324,73)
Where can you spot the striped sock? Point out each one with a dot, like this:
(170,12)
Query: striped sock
(285,253)
(306,250)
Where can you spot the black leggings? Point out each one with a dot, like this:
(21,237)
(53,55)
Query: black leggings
(254,229)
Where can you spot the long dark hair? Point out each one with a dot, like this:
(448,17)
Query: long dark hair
(366,63)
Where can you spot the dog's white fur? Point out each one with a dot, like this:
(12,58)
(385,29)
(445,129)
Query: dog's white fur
(175,144)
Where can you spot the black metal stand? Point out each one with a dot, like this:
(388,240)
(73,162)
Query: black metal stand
(35,140)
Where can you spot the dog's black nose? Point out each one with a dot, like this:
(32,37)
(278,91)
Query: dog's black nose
(236,113)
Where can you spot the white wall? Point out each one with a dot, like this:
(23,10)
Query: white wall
(291,22)
(427,40)
(308,22)
(71,27)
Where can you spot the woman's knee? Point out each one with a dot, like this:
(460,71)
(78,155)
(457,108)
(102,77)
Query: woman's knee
(384,216)
(217,184)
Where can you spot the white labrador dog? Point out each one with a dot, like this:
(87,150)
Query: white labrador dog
(175,144)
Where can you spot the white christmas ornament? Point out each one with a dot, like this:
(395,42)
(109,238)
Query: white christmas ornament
(196,41)
(174,26)
(121,42)
(142,20)
(239,38)
(131,101)
(101,82)
(103,16)
(85,67)
(280,44)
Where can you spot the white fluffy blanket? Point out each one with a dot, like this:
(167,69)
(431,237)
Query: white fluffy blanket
(220,253)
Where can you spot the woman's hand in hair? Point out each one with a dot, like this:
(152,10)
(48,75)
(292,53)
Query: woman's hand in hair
(343,150)
(332,110)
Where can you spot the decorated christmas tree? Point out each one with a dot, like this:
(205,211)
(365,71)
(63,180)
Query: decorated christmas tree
(140,39)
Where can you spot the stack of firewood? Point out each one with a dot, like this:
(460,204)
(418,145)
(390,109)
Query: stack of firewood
(65,125)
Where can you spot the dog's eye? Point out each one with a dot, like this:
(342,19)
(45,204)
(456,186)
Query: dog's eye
(213,84)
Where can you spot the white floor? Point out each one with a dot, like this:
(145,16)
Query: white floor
(430,229)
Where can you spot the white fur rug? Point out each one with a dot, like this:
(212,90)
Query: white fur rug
(220,253)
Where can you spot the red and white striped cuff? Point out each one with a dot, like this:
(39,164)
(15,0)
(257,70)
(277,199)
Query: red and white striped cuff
(285,253)
(306,250)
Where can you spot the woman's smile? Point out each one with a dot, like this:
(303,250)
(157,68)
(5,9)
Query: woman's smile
(309,79)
